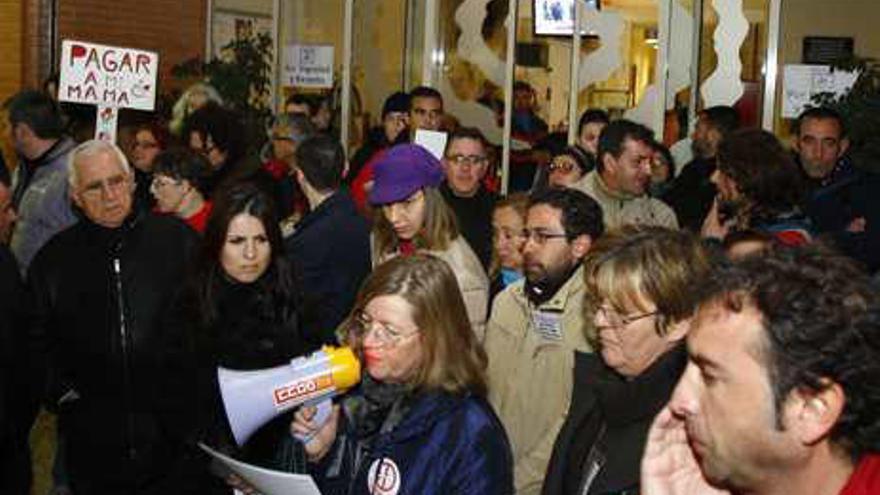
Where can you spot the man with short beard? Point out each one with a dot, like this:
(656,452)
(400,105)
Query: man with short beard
(692,192)
(535,327)
(841,196)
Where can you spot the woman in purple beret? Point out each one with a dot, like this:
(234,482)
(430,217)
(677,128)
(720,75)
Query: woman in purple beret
(412,217)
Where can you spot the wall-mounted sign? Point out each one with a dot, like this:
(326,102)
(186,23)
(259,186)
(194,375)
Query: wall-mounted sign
(107,76)
(827,49)
(308,66)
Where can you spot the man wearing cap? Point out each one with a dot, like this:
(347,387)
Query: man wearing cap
(424,110)
(414,217)
(395,121)
(394,130)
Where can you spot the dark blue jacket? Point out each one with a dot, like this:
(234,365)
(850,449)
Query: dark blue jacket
(833,207)
(446,444)
(330,251)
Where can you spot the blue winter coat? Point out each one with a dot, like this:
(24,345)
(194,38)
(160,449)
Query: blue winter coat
(446,444)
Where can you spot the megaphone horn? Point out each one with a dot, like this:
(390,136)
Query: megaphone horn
(252,398)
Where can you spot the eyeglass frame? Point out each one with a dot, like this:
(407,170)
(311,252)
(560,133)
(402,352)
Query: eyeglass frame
(540,237)
(157,183)
(386,334)
(561,165)
(95,189)
(623,321)
(471,160)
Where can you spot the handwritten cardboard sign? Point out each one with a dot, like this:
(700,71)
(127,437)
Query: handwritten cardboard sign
(107,76)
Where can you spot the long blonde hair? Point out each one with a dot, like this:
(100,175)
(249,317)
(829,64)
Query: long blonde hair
(439,227)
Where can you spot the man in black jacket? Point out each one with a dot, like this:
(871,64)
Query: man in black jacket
(18,404)
(330,247)
(692,193)
(465,163)
(97,293)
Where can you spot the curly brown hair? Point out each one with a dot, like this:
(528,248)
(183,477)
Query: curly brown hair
(821,319)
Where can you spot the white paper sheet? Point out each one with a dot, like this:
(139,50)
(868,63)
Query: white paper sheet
(433,141)
(800,83)
(267,481)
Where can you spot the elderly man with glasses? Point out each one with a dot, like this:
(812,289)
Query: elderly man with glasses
(99,290)
(537,324)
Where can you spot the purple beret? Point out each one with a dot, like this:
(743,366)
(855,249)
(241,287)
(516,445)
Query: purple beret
(403,170)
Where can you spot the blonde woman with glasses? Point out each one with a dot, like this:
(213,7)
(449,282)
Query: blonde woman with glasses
(640,283)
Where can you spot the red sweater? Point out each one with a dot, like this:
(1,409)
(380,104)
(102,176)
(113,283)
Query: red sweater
(199,219)
(865,480)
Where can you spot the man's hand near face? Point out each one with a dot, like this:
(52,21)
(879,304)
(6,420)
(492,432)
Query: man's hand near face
(669,466)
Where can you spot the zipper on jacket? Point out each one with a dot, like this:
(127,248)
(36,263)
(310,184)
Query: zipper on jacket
(126,368)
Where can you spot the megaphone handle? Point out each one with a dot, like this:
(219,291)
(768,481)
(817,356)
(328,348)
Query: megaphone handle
(324,408)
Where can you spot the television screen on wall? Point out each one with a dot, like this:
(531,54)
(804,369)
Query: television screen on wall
(556,17)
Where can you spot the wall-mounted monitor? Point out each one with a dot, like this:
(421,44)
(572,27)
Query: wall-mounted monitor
(556,17)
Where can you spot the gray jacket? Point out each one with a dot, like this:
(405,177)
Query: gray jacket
(44,206)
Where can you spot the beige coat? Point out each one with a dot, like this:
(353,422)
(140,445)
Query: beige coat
(530,371)
(472,280)
(619,209)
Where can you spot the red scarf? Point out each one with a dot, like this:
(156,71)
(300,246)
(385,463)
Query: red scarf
(407,247)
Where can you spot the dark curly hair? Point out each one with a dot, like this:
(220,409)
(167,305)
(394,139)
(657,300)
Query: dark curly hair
(764,172)
(822,323)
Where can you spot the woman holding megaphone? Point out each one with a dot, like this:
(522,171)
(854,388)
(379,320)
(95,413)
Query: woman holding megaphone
(419,421)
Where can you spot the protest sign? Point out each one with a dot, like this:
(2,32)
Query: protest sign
(108,77)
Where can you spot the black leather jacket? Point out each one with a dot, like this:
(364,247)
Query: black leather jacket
(97,297)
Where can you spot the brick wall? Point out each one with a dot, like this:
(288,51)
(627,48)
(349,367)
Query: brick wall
(10,46)
(173,28)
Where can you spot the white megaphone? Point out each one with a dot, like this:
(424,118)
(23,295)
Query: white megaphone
(252,398)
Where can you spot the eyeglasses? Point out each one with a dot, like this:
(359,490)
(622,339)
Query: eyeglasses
(540,236)
(162,182)
(461,160)
(385,333)
(94,190)
(562,166)
(617,320)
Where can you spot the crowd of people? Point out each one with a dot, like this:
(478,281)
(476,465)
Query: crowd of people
(616,324)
